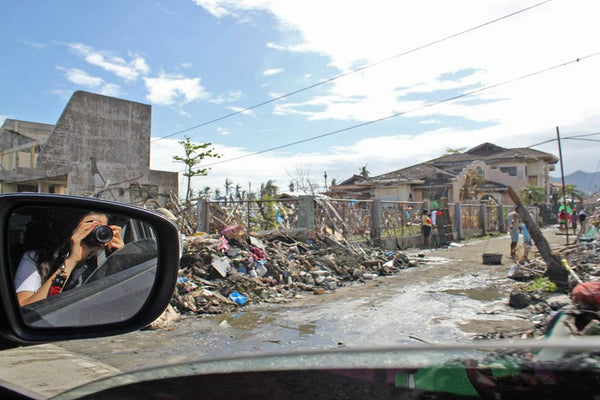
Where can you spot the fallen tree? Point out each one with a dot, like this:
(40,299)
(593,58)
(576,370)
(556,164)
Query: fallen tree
(554,268)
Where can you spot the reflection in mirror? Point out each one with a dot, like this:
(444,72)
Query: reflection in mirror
(74,267)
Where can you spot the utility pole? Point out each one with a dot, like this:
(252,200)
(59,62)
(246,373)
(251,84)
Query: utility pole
(562,177)
(325,176)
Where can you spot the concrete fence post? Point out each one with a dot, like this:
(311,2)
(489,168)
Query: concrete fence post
(458,221)
(376,219)
(483,218)
(306,212)
(203,215)
(501,224)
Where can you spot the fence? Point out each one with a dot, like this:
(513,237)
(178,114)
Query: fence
(390,223)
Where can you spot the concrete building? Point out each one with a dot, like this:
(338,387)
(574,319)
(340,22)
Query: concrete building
(100,146)
(495,167)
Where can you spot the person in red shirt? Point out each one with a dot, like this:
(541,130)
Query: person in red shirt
(427,223)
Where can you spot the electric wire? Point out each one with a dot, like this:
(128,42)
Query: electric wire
(428,105)
(567,137)
(353,71)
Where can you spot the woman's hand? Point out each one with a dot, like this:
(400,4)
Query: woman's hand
(117,241)
(80,251)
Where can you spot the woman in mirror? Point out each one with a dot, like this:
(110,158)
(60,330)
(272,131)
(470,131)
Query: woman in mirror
(57,264)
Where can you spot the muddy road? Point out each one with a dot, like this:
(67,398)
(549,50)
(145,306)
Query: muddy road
(451,297)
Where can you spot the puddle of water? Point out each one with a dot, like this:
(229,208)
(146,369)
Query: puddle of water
(244,320)
(480,294)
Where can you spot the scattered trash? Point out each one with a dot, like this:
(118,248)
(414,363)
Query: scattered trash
(515,272)
(273,266)
(220,264)
(238,298)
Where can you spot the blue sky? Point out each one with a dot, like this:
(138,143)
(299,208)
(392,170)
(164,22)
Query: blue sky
(195,61)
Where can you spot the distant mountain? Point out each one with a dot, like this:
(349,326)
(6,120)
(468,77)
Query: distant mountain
(586,182)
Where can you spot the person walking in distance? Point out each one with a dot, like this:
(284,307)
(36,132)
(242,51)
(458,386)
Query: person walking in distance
(513,228)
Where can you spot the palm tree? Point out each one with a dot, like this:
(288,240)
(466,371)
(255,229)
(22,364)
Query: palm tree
(571,193)
(364,172)
(238,191)
(228,185)
(533,195)
(268,188)
(205,192)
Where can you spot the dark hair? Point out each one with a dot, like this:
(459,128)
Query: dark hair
(49,235)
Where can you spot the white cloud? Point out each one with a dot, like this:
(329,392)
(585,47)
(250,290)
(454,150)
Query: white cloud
(82,78)
(127,70)
(214,7)
(241,110)
(518,114)
(272,71)
(272,45)
(230,97)
(168,89)
(111,89)
(498,52)
(35,45)
(223,131)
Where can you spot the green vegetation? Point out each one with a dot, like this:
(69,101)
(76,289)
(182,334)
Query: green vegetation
(541,284)
(194,155)
(533,195)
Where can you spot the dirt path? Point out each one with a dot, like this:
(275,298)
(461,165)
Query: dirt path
(462,260)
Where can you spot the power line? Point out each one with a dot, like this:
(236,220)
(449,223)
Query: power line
(428,105)
(353,71)
(575,137)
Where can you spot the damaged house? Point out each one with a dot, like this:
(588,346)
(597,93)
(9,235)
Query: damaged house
(481,173)
(100,146)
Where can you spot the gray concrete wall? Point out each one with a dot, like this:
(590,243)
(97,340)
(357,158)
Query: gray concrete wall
(100,139)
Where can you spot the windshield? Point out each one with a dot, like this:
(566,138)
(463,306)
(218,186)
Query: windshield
(344,175)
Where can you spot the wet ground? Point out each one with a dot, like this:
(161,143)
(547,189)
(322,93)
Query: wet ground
(449,298)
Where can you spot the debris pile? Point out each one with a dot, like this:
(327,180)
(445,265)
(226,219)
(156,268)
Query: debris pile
(219,273)
(554,311)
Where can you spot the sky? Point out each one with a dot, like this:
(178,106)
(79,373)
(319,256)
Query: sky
(345,84)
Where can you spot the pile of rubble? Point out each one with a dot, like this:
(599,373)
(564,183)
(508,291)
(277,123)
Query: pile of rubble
(219,273)
(546,305)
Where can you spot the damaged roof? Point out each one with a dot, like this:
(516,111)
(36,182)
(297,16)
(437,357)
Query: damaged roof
(414,174)
(492,153)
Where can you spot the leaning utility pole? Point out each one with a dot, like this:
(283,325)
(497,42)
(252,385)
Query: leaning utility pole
(562,177)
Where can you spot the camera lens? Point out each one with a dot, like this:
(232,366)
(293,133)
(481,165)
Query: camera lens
(99,235)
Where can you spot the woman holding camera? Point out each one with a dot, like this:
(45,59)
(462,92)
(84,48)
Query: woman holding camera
(49,270)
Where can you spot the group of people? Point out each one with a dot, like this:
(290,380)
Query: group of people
(514,228)
(429,222)
(565,219)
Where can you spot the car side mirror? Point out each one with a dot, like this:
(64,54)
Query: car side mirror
(75,267)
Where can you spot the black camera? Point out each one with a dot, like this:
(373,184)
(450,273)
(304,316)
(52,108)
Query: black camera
(99,236)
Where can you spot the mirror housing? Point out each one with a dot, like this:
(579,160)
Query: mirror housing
(14,328)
